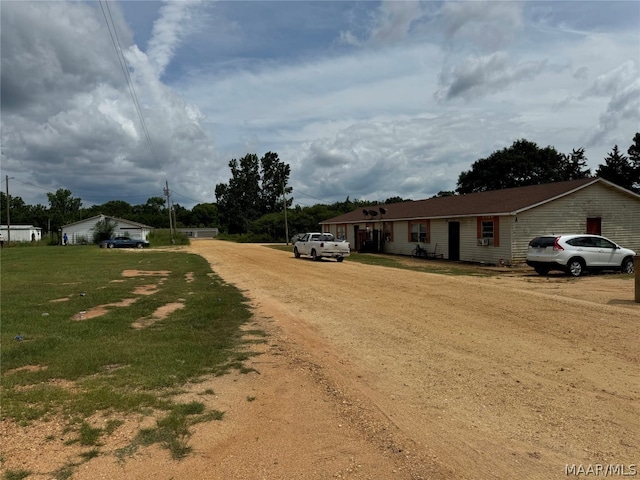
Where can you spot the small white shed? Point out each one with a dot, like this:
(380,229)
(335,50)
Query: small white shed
(20,233)
(82,232)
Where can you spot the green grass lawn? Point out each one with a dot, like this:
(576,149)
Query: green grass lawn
(115,368)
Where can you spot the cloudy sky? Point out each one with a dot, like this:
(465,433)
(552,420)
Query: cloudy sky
(362,99)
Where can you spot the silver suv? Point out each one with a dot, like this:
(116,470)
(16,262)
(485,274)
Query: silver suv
(574,254)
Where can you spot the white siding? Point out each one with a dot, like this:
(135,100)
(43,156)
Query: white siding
(620,214)
(618,211)
(83,231)
(20,233)
(439,238)
(470,251)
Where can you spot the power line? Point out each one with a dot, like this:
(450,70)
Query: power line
(189,198)
(315,198)
(115,40)
(305,194)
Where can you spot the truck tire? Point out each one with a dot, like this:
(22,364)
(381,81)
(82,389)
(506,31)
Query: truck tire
(314,255)
(339,259)
(296,253)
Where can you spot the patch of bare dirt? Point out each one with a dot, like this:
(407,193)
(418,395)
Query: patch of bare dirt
(27,368)
(145,273)
(58,300)
(146,289)
(159,314)
(375,373)
(100,310)
(149,289)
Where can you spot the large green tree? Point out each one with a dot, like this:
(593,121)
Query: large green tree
(523,163)
(19,211)
(205,215)
(253,190)
(39,217)
(154,213)
(575,165)
(634,159)
(63,208)
(117,208)
(617,169)
(274,177)
(239,200)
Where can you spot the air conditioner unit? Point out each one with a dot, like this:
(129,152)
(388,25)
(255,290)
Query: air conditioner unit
(483,241)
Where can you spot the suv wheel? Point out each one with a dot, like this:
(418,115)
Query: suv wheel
(627,265)
(575,267)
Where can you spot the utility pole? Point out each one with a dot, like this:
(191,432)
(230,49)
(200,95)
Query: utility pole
(284,198)
(168,195)
(8,210)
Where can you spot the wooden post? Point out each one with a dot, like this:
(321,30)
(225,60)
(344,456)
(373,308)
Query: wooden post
(636,269)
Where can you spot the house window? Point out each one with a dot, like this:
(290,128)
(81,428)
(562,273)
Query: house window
(341,232)
(387,228)
(418,232)
(488,231)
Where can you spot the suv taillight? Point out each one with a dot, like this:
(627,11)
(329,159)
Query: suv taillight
(556,245)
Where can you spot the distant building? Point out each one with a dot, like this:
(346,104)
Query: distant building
(21,233)
(82,232)
(199,232)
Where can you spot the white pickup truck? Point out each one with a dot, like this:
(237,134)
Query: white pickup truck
(319,245)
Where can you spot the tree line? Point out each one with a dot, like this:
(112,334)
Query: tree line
(524,163)
(251,205)
(64,209)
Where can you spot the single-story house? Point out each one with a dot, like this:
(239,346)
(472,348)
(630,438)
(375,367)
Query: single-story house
(83,231)
(20,233)
(494,227)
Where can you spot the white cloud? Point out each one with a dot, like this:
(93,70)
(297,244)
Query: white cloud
(177,20)
(75,122)
(363,101)
(621,87)
(481,75)
(485,25)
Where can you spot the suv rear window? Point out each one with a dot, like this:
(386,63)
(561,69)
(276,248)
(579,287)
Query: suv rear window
(542,242)
(581,242)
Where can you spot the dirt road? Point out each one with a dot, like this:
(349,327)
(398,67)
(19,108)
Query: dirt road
(377,373)
(450,377)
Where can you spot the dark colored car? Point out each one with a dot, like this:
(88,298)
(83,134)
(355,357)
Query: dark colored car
(124,242)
